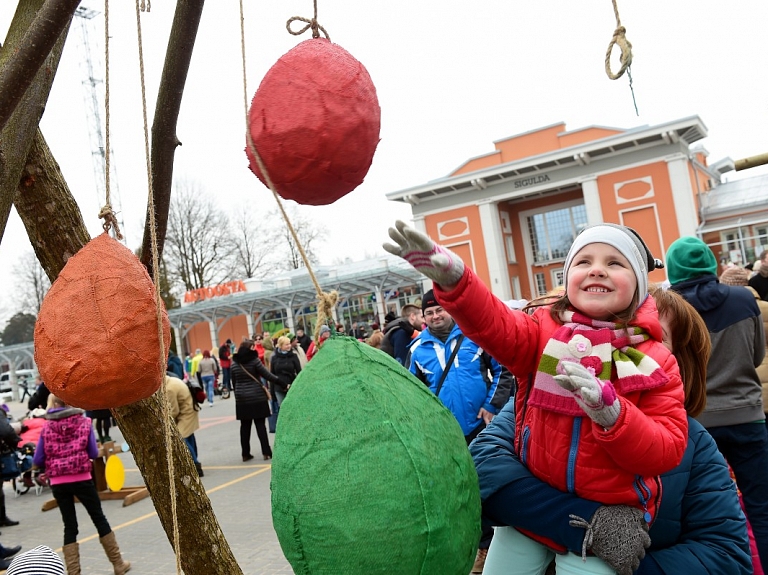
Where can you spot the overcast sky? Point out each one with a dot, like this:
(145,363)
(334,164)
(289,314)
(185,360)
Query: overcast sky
(452,77)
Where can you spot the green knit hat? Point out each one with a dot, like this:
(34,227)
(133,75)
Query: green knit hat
(689,258)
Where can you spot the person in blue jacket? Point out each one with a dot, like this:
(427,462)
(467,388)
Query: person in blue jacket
(700,527)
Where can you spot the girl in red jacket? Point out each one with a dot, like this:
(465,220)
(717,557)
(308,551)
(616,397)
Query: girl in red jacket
(599,408)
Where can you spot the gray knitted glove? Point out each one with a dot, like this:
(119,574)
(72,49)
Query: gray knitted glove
(617,534)
(597,398)
(439,264)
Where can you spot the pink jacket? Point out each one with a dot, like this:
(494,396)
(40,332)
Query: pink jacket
(615,466)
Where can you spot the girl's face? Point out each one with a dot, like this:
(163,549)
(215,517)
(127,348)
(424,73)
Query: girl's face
(666,331)
(601,283)
(285,346)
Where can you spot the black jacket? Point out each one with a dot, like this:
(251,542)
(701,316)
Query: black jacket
(251,401)
(286,366)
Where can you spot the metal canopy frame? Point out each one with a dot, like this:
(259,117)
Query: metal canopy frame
(295,291)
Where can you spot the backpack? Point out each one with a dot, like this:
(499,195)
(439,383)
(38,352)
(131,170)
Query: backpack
(197,392)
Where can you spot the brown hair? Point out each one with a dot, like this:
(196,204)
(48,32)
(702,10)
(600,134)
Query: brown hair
(692,345)
(408,309)
(375,339)
(206,353)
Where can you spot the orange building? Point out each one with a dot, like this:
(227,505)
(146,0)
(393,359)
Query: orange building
(513,213)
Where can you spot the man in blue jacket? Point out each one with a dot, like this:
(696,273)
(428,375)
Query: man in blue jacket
(734,414)
(469,382)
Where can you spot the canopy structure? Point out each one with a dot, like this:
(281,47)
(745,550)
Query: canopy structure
(293,294)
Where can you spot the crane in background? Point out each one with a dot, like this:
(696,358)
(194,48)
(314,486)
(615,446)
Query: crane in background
(93,97)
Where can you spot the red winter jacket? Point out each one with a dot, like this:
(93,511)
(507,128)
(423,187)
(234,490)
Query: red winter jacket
(573,454)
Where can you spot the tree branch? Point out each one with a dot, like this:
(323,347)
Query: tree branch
(19,131)
(31,51)
(186,21)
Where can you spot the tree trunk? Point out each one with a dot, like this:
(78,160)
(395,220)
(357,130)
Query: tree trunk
(56,229)
(50,214)
(17,135)
(202,545)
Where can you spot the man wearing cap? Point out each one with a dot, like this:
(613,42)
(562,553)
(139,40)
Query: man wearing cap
(470,386)
(734,413)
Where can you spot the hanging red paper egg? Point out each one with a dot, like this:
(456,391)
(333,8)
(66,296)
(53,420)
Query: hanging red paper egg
(96,340)
(315,122)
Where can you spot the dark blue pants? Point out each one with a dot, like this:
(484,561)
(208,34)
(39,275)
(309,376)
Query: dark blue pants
(191,443)
(745,447)
(85,491)
(226,378)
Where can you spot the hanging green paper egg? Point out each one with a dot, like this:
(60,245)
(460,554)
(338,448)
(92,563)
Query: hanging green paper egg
(371,473)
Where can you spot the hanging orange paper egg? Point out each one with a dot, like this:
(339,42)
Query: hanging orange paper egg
(315,122)
(96,340)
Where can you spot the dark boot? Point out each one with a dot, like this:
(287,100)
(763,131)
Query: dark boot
(199,468)
(109,542)
(6,552)
(72,558)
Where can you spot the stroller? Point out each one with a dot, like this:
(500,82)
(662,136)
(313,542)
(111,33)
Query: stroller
(28,478)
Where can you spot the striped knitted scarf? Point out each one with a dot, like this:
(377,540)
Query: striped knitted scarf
(599,346)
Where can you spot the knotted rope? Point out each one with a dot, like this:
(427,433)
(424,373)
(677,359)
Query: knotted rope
(619,39)
(106,212)
(313,24)
(326,301)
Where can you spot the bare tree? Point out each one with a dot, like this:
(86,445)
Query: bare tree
(253,252)
(32,283)
(199,244)
(310,232)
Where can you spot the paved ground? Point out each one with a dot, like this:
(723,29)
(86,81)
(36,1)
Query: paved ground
(239,493)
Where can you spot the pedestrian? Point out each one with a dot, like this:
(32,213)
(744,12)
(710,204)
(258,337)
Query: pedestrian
(735,413)
(208,374)
(102,421)
(251,398)
(174,364)
(399,333)
(225,360)
(9,440)
(39,398)
(759,279)
(304,339)
(184,412)
(600,398)
(323,335)
(298,350)
(286,366)
(65,449)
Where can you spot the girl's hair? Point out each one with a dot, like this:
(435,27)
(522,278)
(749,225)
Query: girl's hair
(283,340)
(206,353)
(54,401)
(692,345)
(375,339)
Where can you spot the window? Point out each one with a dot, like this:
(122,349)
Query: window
(558,277)
(511,258)
(552,233)
(541,284)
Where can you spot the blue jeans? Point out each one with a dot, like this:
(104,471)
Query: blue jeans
(745,447)
(226,377)
(208,385)
(192,445)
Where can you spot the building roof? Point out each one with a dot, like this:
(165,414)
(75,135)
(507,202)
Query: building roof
(687,130)
(296,290)
(736,195)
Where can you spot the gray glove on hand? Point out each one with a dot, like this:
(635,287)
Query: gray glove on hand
(597,398)
(617,534)
(439,264)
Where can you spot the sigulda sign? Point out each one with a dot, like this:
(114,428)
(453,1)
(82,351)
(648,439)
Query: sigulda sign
(532,181)
(210,292)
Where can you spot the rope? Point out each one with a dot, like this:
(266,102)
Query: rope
(313,24)
(158,300)
(326,301)
(620,39)
(106,213)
